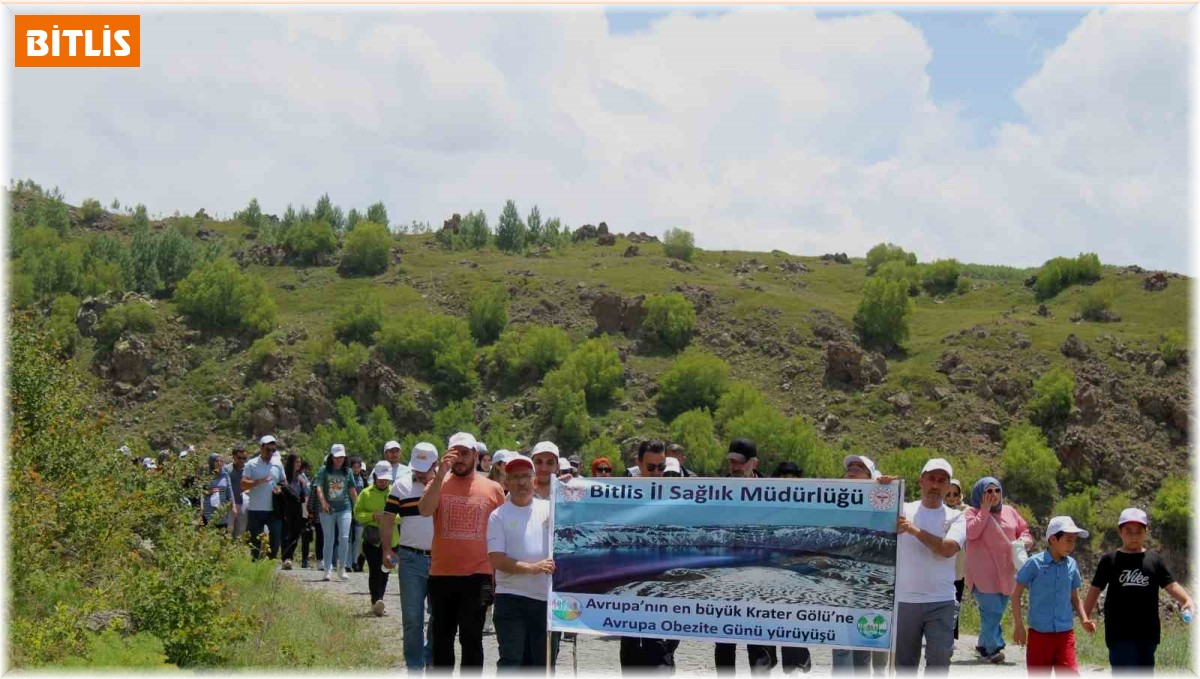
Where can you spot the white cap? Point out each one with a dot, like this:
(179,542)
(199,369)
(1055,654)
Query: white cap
(672,465)
(125,449)
(1133,514)
(954,482)
(501,456)
(462,440)
(544,447)
(864,461)
(517,459)
(1064,524)
(266,439)
(481,447)
(937,464)
(337,450)
(564,464)
(424,456)
(184,453)
(383,470)
(391,444)
(149,463)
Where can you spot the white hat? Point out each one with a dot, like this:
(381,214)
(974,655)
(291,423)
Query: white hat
(391,444)
(501,456)
(383,470)
(266,439)
(149,463)
(672,465)
(462,440)
(937,464)
(184,453)
(1064,524)
(864,461)
(954,482)
(544,447)
(481,447)
(1133,514)
(517,459)
(337,450)
(564,464)
(423,457)
(125,449)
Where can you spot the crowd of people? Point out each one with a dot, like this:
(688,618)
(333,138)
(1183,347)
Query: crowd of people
(468,532)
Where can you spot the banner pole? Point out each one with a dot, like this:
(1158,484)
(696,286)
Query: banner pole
(895,602)
(549,636)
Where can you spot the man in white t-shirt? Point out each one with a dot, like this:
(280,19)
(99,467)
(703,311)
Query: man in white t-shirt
(929,535)
(518,540)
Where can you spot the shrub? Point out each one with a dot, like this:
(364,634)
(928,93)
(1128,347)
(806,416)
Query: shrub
(883,314)
(128,317)
(311,242)
(140,220)
(695,432)
(940,277)
(440,345)
(1053,397)
(501,431)
(694,380)
(599,365)
(377,213)
(158,261)
(60,326)
(1095,304)
(563,399)
(455,417)
(900,272)
(1171,513)
(886,252)
(525,354)
(1172,347)
(679,244)
(1061,272)
(20,292)
(367,251)
(91,211)
(1081,507)
(487,313)
(1029,468)
(58,217)
(964,286)
(740,397)
(216,295)
(782,439)
(260,350)
(359,322)
(670,320)
(348,430)
(511,232)
(252,216)
(474,233)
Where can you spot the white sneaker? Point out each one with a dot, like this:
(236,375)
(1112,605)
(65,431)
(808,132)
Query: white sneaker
(487,625)
(342,574)
(378,608)
(328,575)
(287,565)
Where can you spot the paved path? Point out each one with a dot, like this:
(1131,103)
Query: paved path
(598,655)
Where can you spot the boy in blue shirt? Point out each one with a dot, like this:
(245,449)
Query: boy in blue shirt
(1053,580)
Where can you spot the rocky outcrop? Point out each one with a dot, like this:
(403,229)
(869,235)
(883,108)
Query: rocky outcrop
(948,363)
(1155,282)
(848,364)
(130,361)
(631,251)
(616,315)
(1166,409)
(606,239)
(1075,348)
(376,384)
(835,258)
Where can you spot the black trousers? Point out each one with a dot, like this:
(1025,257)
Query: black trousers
(377,578)
(457,607)
(293,527)
(762,658)
(306,539)
(639,655)
(958,592)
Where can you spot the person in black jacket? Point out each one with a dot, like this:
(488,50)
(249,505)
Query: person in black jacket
(291,505)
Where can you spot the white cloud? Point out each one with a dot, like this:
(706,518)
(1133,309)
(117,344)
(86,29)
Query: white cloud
(756,129)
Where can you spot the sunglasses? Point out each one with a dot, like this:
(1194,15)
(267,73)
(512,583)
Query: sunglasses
(953,494)
(992,490)
(603,470)
(656,467)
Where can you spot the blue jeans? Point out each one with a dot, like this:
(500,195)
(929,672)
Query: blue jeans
(414,591)
(991,612)
(340,519)
(255,522)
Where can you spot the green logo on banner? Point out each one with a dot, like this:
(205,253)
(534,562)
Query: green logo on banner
(566,608)
(872,627)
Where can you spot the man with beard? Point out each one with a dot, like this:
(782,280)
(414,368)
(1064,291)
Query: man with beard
(460,573)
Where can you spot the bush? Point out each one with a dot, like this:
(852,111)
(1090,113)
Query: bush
(367,251)
(740,397)
(20,292)
(473,233)
(60,326)
(511,232)
(1029,468)
(455,417)
(377,213)
(599,365)
(670,320)
(252,216)
(1053,398)
(1095,304)
(695,432)
(440,345)
(940,277)
(132,316)
(91,211)
(782,439)
(260,350)
(694,380)
(964,286)
(1061,272)
(899,272)
(527,353)
(563,398)
(1081,507)
(679,244)
(886,252)
(487,313)
(158,261)
(1171,513)
(883,314)
(1173,347)
(311,242)
(501,431)
(1107,514)
(359,322)
(220,297)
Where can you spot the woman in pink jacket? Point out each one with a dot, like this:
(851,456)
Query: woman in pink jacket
(992,527)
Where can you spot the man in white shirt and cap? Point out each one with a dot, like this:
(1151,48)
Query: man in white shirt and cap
(261,479)
(391,453)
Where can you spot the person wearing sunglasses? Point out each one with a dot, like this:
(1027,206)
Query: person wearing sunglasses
(992,527)
(237,512)
(602,468)
(742,459)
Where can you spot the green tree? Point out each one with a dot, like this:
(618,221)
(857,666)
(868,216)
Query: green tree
(133,316)
(91,211)
(60,325)
(377,213)
(488,313)
(899,271)
(534,224)
(564,402)
(1053,397)
(694,431)
(1029,468)
(554,234)
(327,212)
(679,244)
(218,296)
(367,251)
(475,232)
(311,242)
(670,320)
(740,397)
(511,231)
(347,359)
(353,217)
(782,439)
(883,313)
(526,353)
(695,380)
(599,365)
(940,277)
(359,321)
(1060,273)
(1171,513)
(140,219)
(252,216)
(886,252)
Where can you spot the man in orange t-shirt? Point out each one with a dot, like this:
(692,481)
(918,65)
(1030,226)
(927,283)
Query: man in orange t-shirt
(460,573)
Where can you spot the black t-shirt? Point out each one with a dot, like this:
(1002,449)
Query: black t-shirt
(1131,607)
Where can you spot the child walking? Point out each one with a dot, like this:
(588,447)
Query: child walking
(1053,580)
(1133,575)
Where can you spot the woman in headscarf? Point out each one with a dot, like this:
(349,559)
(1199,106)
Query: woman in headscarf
(992,527)
(954,500)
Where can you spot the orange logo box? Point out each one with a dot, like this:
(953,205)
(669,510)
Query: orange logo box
(74,40)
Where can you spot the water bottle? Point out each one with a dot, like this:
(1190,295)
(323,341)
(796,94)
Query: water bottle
(1187,616)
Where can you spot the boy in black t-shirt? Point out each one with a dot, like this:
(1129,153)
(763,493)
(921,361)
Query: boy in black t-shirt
(1133,576)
